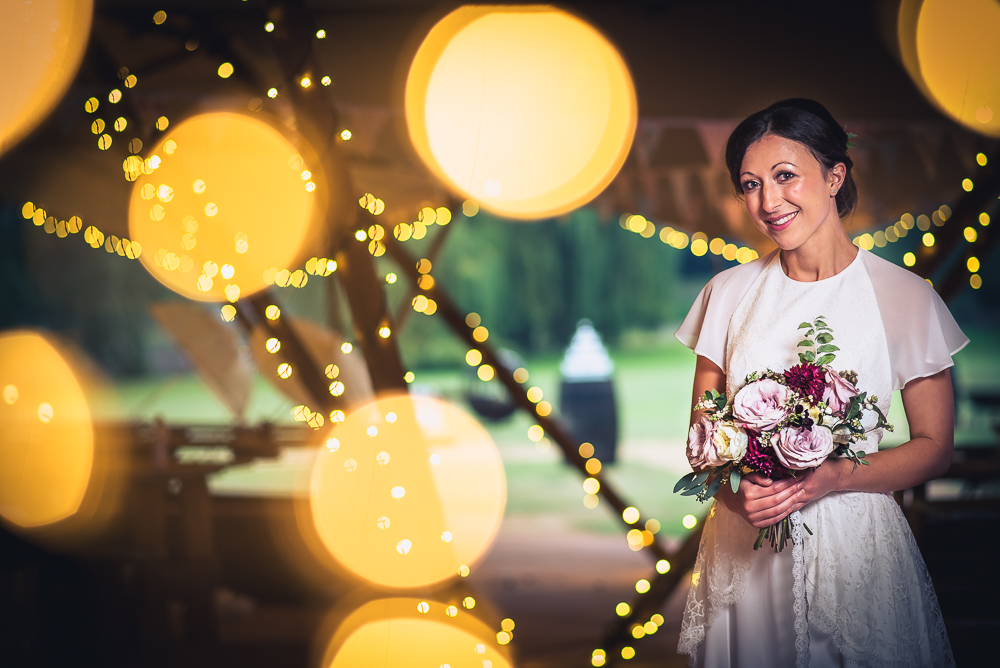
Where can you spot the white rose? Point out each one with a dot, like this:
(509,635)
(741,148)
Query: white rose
(730,441)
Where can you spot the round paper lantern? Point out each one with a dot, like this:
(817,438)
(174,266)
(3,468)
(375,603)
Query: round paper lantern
(413,633)
(950,49)
(47,437)
(41,46)
(528,110)
(409,491)
(229,202)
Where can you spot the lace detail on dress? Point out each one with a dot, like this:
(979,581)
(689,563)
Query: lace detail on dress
(799,603)
(867,586)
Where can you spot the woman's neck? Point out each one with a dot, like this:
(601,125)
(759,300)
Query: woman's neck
(826,253)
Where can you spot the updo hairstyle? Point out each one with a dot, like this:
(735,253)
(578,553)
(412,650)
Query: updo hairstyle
(807,122)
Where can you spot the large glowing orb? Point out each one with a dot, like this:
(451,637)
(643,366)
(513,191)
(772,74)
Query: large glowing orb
(232,198)
(414,633)
(46,433)
(41,46)
(527,110)
(950,49)
(409,491)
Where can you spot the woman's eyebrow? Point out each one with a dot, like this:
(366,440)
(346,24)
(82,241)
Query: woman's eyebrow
(783,162)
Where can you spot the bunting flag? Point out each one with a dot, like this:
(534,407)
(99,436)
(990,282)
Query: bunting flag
(714,135)
(218,354)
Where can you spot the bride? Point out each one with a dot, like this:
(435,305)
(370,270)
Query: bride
(855,592)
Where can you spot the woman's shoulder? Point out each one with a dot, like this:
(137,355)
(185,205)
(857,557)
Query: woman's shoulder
(889,277)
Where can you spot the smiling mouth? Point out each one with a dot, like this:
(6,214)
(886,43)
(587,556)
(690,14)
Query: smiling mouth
(783,222)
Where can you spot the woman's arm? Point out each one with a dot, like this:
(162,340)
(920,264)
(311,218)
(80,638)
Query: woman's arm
(760,501)
(930,412)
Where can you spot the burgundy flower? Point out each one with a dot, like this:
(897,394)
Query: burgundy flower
(762,459)
(807,379)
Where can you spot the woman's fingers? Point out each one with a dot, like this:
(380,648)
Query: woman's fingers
(778,488)
(758,479)
(768,516)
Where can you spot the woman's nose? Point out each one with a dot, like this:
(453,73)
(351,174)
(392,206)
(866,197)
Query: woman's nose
(770,199)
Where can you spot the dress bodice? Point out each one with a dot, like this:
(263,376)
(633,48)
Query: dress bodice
(764,329)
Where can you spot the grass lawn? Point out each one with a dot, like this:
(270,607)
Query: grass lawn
(653,392)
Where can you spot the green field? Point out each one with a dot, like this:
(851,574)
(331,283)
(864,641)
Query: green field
(652,381)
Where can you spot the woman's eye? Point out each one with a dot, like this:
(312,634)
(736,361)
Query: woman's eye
(784,176)
(749,185)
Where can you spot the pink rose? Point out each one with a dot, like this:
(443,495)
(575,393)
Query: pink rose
(838,392)
(761,404)
(702,447)
(800,449)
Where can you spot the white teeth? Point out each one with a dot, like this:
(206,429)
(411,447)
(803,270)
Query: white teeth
(782,220)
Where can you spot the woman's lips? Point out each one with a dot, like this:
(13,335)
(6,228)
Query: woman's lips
(781,223)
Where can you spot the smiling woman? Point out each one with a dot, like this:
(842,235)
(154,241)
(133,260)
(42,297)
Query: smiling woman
(855,590)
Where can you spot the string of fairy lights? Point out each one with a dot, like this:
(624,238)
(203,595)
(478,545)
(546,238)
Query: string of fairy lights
(698,243)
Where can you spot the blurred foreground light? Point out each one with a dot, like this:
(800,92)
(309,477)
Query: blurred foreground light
(529,131)
(689,521)
(950,50)
(50,470)
(230,194)
(413,632)
(442,473)
(41,46)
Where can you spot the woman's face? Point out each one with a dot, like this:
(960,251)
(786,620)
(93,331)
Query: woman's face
(787,193)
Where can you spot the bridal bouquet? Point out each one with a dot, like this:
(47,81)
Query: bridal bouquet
(780,424)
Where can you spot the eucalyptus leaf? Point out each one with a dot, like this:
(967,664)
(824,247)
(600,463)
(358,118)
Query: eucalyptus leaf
(810,356)
(826,359)
(810,333)
(692,491)
(824,338)
(828,348)
(685,481)
(734,480)
(804,342)
(714,487)
(805,325)
(702,477)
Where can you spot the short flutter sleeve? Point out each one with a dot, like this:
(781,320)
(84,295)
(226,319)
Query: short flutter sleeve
(922,334)
(705,330)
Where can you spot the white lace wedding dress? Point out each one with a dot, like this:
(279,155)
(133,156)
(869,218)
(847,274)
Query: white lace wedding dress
(856,592)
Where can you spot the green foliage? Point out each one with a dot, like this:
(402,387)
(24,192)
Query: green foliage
(532,282)
(821,345)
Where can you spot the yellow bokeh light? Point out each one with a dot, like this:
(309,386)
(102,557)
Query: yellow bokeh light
(521,375)
(485,372)
(630,515)
(689,521)
(642,586)
(970,234)
(41,47)
(591,485)
(622,609)
(976,281)
(984,219)
(950,50)
(967,185)
(591,501)
(47,440)
(225,70)
(628,653)
(593,466)
(699,247)
(972,264)
(662,566)
(529,132)
(412,632)
(928,239)
(463,493)
(473,357)
(909,259)
(258,215)
(480,334)
(981,159)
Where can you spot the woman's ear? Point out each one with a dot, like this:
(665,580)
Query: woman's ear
(835,177)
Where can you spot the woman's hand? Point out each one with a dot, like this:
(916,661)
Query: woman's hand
(762,501)
(820,481)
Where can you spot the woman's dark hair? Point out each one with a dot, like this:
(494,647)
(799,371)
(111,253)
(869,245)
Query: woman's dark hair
(807,122)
